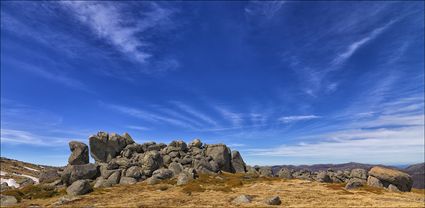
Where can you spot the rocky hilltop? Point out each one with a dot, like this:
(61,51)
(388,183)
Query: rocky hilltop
(121,161)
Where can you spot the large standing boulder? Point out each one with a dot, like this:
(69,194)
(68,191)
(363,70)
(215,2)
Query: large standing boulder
(104,147)
(80,153)
(237,162)
(401,180)
(73,173)
(220,153)
(79,187)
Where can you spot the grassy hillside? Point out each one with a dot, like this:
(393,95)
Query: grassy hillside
(220,190)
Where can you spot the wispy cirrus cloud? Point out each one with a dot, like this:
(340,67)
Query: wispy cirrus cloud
(195,113)
(356,45)
(148,116)
(13,136)
(111,23)
(289,119)
(267,9)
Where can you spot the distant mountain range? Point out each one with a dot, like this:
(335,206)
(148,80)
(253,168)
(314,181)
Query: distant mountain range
(417,171)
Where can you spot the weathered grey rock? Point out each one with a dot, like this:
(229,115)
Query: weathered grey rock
(122,162)
(186,160)
(174,154)
(401,180)
(242,199)
(203,166)
(134,172)
(323,177)
(152,181)
(73,173)
(195,143)
(80,153)
(131,149)
(355,183)
(127,180)
(7,200)
(48,176)
(251,171)
(393,188)
(104,146)
(237,162)
(166,159)
(358,173)
(177,168)
(303,174)
(339,176)
(285,173)
(104,171)
(221,155)
(115,177)
(162,174)
(275,200)
(79,187)
(266,171)
(101,183)
(374,182)
(183,179)
(176,146)
(152,160)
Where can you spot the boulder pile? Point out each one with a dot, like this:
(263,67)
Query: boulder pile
(391,179)
(119,160)
(380,177)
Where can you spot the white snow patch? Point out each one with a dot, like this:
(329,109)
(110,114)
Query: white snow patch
(10,182)
(2,173)
(32,169)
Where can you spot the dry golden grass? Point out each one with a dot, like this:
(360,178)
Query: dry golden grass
(220,190)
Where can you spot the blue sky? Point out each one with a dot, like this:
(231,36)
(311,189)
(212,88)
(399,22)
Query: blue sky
(282,82)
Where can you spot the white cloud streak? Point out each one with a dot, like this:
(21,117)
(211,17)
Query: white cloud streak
(353,47)
(122,31)
(288,119)
(198,115)
(13,136)
(148,116)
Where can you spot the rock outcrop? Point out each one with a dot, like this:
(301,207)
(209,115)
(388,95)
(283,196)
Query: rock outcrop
(119,160)
(80,153)
(221,155)
(238,163)
(384,177)
(79,187)
(104,147)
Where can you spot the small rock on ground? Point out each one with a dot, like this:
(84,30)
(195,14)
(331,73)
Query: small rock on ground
(274,201)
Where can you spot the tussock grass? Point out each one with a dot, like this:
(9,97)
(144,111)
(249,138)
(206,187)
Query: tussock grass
(34,192)
(219,190)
